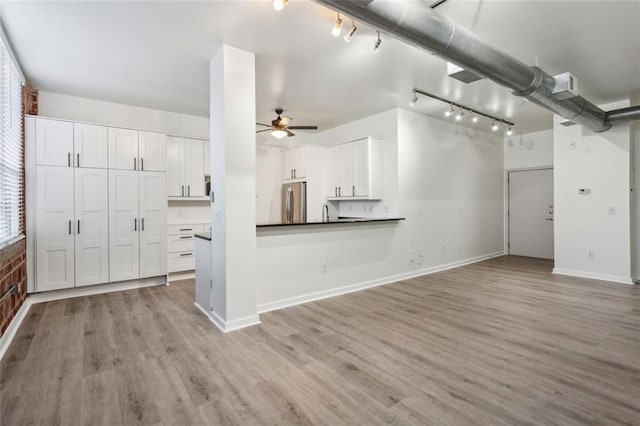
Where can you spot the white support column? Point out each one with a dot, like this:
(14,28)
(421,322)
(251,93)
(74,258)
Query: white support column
(233,168)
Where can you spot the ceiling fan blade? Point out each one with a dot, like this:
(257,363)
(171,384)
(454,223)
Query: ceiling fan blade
(289,132)
(284,121)
(303,127)
(262,124)
(265,130)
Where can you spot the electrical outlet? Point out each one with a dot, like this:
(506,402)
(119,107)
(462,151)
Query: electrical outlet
(412,255)
(324,268)
(459,246)
(443,247)
(591,254)
(386,209)
(612,211)
(573,144)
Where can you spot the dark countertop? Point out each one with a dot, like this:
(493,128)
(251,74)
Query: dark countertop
(339,221)
(203,235)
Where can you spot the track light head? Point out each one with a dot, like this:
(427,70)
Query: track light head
(414,99)
(494,126)
(377,43)
(347,38)
(337,27)
(278,5)
(509,131)
(474,118)
(449,112)
(459,115)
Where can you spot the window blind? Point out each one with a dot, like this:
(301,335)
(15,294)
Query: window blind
(11,148)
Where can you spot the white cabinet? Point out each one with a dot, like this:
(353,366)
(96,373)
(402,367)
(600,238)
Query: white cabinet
(90,146)
(91,230)
(207,158)
(294,163)
(54,228)
(54,143)
(182,245)
(153,222)
(123,149)
(354,170)
(152,151)
(124,242)
(185,167)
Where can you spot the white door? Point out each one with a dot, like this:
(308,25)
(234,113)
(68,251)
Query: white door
(333,171)
(54,143)
(361,168)
(207,157)
(194,168)
(91,226)
(175,167)
(54,228)
(531,213)
(123,149)
(124,244)
(152,151)
(90,146)
(153,224)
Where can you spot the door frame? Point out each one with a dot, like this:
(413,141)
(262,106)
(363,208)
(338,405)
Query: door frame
(507,198)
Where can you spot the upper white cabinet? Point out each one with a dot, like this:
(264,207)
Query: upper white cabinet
(152,151)
(90,146)
(294,163)
(354,170)
(54,143)
(185,167)
(123,149)
(207,158)
(153,224)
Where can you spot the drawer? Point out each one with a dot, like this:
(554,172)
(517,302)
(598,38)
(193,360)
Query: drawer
(184,261)
(181,243)
(185,229)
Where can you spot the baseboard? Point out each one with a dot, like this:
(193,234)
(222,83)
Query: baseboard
(593,276)
(68,293)
(227,326)
(14,325)
(181,275)
(306,298)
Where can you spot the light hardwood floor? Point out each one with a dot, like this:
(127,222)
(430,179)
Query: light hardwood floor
(498,342)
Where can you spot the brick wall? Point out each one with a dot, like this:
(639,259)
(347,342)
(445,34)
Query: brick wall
(12,270)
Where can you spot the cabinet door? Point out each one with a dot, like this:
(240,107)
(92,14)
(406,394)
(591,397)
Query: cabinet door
(92,234)
(54,143)
(361,168)
(300,163)
(288,164)
(54,228)
(333,171)
(123,149)
(207,158)
(124,245)
(152,151)
(347,162)
(175,167)
(90,146)
(194,168)
(153,224)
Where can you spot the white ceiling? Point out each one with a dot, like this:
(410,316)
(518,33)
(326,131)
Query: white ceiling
(156,55)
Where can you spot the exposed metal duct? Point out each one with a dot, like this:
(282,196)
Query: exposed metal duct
(415,23)
(624,114)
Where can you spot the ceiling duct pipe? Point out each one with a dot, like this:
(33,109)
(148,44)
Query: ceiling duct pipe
(624,114)
(416,24)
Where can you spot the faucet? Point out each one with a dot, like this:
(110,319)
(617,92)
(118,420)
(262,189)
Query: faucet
(325,213)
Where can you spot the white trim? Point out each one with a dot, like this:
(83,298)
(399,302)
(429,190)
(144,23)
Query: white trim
(96,289)
(14,325)
(297,300)
(594,276)
(12,55)
(227,326)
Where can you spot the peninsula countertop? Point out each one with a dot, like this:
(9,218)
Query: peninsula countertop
(203,235)
(339,221)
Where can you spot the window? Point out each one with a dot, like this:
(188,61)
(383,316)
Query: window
(11,148)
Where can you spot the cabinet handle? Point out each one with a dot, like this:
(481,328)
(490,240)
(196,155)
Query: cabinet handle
(142,224)
(184,237)
(68,159)
(78,159)
(188,190)
(186,254)
(134,163)
(69,226)
(294,173)
(78,226)
(142,164)
(339,191)
(335,190)
(135,223)
(183,190)
(353,191)
(186,229)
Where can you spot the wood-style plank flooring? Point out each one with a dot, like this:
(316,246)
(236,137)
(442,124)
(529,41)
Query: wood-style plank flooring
(497,342)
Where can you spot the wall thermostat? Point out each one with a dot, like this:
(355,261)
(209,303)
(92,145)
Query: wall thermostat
(584,191)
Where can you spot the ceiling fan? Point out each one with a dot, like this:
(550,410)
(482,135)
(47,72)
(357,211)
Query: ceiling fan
(280,126)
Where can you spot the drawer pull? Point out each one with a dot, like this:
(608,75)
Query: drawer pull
(186,254)
(186,229)
(186,236)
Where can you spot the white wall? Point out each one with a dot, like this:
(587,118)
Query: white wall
(449,188)
(529,150)
(112,114)
(268,182)
(584,223)
(635,198)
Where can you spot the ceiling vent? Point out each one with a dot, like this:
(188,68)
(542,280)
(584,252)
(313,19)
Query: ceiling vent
(461,74)
(566,86)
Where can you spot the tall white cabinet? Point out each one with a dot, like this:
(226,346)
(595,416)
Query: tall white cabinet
(95,214)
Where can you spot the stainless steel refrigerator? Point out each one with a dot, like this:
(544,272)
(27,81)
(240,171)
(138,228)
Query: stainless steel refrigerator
(294,202)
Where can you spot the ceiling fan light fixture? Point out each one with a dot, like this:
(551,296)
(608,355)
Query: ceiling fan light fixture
(337,27)
(278,133)
(278,5)
(347,37)
(377,43)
